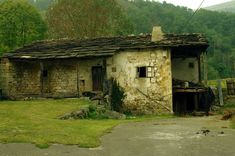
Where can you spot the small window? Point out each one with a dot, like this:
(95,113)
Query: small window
(144,72)
(114,69)
(45,73)
(191,65)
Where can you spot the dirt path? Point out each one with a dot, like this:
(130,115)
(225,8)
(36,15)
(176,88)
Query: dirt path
(202,136)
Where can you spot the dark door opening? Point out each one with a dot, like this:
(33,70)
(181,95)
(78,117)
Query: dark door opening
(97,78)
(193,100)
(184,103)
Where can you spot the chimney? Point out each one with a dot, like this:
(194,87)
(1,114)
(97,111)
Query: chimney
(157,34)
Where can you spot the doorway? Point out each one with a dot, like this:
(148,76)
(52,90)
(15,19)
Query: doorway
(97,78)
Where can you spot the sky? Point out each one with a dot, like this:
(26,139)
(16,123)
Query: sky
(193,4)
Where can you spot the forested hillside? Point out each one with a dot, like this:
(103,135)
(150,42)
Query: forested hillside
(226,7)
(139,16)
(219,28)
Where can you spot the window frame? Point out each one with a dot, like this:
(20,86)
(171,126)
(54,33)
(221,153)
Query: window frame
(148,69)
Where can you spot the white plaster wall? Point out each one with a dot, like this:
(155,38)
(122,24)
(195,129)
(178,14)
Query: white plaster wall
(158,87)
(182,71)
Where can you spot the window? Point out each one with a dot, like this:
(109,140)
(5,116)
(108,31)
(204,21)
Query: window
(144,72)
(114,69)
(191,65)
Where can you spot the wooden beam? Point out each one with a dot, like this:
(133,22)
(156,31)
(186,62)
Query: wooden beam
(189,90)
(205,68)
(199,68)
(41,77)
(78,79)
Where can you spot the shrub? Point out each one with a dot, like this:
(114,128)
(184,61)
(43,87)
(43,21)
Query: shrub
(117,96)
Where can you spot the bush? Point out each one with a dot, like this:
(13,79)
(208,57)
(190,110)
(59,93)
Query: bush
(92,108)
(117,96)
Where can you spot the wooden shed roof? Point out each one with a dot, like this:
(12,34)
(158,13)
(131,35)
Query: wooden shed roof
(105,46)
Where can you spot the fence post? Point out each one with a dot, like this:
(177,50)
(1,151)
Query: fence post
(219,87)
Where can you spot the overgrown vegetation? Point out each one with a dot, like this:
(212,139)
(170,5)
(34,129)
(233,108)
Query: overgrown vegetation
(117,96)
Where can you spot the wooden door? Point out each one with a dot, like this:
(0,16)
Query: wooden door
(97,78)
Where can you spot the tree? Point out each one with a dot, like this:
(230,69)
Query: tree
(86,19)
(219,28)
(20,24)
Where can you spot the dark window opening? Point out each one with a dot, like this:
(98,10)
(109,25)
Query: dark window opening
(145,72)
(191,65)
(142,72)
(114,69)
(45,73)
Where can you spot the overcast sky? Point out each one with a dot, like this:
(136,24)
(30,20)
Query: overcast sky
(193,4)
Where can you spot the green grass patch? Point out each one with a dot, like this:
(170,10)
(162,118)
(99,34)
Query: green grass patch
(36,122)
(233,123)
(213,83)
(230,103)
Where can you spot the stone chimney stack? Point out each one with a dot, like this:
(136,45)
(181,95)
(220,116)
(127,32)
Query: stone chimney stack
(157,34)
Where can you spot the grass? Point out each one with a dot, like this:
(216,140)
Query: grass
(233,122)
(36,122)
(213,83)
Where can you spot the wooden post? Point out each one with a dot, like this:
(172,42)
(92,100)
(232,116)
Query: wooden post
(205,68)
(199,69)
(196,101)
(219,87)
(78,80)
(41,77)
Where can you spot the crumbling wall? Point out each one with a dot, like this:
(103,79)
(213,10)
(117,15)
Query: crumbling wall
(185,69)
(150,95)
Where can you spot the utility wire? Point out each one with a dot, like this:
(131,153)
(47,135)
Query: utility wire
(190,18)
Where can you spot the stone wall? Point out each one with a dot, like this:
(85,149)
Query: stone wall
(5,67)
(25,78)
(85,73)
(13,76)
(185,69)
(60,78)
(47,78)
(150,95)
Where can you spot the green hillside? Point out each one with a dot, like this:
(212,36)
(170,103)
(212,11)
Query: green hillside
(142,15)
(226,7)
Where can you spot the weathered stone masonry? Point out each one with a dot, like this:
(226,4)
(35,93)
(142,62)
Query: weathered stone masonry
(51,78)
(158,86)
(143,65)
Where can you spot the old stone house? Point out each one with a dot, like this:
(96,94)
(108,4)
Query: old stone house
(143,65)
